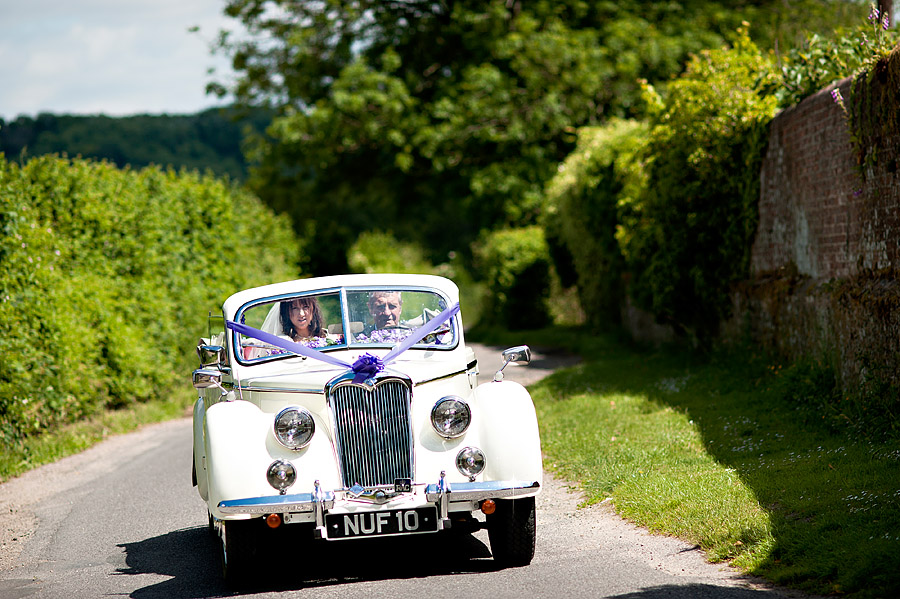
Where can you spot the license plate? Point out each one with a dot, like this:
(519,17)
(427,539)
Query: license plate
(380,524)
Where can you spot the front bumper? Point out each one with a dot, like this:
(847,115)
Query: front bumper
(442,495)
(298,503)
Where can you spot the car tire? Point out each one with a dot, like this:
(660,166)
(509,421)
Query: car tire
(211,524)
(239,544)
(512,531)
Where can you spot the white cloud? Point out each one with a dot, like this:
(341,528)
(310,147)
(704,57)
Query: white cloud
(103,56)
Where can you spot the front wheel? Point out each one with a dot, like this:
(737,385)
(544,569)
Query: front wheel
(238,550)
(512,531)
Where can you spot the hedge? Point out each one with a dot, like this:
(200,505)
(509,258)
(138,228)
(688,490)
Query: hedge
(106,278)
(699,207)
(515,267)
(590,202)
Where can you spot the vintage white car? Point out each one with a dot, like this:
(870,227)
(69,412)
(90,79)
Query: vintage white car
(347,407)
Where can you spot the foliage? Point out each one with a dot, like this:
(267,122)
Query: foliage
(377,251)
(869,411)
(821,61)
(209,140)
(590,200)
(105,278)
(380,252)
(698,212)
(873,112)
(515,265)
(439,120)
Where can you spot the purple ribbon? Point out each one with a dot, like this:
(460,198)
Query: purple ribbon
(421,333)
(285,344)
(366,365)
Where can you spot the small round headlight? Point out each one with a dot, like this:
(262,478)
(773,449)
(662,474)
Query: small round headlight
(451,416)
(470,462)
(281,475)
(294,427)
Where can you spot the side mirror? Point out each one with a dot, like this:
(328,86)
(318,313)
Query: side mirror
(204,378)
(521,354)
(211,355)
(517,355)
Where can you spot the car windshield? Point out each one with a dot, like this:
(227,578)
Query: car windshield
(342,319)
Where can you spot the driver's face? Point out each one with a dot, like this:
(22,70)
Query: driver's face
(386,307)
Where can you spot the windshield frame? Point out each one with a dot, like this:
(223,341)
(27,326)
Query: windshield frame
(349,339)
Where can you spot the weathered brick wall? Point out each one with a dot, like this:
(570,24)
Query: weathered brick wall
(816,212)
(826,253)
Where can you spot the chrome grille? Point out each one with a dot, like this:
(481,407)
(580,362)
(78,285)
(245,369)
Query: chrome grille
(374,437)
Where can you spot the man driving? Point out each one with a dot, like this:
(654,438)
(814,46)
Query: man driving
(385,307)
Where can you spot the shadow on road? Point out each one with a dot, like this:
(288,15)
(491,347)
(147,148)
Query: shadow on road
(693,591)
(190,557)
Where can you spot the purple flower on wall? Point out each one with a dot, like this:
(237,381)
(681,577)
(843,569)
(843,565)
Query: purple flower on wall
(838,98)
(874,13)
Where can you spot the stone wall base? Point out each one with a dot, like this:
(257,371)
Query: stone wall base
(853,325)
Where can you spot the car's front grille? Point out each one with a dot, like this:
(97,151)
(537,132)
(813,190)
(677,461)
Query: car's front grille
(374,438)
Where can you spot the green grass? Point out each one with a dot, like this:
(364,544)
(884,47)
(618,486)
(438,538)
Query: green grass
(73,438)
(732,453)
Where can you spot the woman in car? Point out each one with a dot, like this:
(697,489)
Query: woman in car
(301,318)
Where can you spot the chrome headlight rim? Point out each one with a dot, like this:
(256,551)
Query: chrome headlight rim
(288,434)
(281,474)
(443,425)
(470,462)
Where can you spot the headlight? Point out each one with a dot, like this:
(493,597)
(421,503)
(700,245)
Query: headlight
(281,475)
(294,427)
(450,417)
(470,462)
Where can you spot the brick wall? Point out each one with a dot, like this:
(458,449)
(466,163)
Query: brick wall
(826,252)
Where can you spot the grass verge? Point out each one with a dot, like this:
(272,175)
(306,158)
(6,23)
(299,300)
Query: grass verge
(73,438)
(729,453)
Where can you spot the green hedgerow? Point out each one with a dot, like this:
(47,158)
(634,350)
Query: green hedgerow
(698,212)
(515,267)
(591,202)
(106,276)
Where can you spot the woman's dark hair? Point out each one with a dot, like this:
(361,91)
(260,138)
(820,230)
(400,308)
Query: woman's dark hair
(315,317)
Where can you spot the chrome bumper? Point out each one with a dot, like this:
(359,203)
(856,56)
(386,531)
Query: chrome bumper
(297,503)
(319,501)
(481,490)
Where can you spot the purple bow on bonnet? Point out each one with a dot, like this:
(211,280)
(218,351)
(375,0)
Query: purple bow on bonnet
(366,366)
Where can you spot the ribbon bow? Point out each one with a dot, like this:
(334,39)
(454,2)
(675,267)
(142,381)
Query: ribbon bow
(366,366)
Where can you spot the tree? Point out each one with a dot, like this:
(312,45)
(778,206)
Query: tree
(433,120)
(438,119)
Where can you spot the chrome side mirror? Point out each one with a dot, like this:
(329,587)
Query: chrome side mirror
(211,355)
(521,354)
(205,378)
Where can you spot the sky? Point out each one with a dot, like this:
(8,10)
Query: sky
(112,57)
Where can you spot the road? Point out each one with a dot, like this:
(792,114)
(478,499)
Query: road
(122,519)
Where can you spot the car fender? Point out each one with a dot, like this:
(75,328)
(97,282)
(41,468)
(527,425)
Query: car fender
(240,447)
(235,440)
(508,432)
(200,478)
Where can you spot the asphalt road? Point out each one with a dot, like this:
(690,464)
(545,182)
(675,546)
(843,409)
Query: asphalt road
(122,519)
